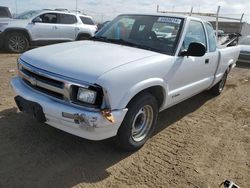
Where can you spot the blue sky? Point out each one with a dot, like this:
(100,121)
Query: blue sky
(107,9)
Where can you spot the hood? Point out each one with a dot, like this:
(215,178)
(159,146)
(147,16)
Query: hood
(83,60)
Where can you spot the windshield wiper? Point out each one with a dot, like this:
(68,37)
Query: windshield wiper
(115,41)
(99,38)
(122,42)
(128,43)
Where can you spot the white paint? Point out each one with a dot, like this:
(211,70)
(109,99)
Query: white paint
(123,72)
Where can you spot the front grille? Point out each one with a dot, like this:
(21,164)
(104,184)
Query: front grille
(43,83)
(55,86)
(44,79)
(44,90)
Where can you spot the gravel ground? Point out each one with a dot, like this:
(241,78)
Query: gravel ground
(198,143)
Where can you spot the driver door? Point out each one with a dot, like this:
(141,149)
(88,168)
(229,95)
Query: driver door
(189,75)
(47,29)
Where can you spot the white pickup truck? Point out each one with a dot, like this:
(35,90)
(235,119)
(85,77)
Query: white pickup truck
(115,84)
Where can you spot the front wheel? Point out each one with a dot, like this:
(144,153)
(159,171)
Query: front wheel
(139,122)
(16,42)
(218,88)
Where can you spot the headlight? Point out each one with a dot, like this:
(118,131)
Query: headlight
(89,96)
(86,95)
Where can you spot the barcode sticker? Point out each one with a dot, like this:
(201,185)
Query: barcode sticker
(169,20)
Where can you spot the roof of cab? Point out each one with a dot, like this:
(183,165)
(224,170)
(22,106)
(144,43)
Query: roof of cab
(165,15)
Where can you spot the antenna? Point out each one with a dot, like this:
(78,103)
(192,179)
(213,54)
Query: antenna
(16,5)
(217,20)
(191,11)
(76,5)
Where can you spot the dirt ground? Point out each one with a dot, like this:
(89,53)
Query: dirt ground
(198,143)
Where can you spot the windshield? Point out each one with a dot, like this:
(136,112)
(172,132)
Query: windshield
(156,33)
(28,14)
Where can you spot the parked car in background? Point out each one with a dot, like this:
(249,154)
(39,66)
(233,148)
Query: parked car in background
(5,12)
(244,44)
(40,27)
(165,31)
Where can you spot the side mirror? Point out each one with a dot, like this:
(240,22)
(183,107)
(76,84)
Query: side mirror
(37,20)
(195,49)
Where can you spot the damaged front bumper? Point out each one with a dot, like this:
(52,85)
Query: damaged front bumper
(92,125)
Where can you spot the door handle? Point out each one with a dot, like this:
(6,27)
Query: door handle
(55,27)
(206,61)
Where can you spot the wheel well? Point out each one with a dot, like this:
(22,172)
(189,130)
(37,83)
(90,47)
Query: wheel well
(229,68)
(156,91)
(24,32)
(83,35)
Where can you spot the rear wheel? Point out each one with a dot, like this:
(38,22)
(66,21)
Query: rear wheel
(139,122)
(218,88)
(16,42)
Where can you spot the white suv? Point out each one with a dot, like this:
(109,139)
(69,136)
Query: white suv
(40,27)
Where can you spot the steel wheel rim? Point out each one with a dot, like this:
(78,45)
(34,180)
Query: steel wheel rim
(222,83)
(142,123)
(17,43)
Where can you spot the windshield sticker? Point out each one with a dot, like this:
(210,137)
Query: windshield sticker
(169,20)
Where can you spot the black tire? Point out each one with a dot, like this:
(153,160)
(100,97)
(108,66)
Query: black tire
(83,37)
(16,42)
(218,88)
(140,120)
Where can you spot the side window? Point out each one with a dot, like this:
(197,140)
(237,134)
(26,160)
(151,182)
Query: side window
(67,19)
(51,18)
(211,37)
(195,33)
(87,20)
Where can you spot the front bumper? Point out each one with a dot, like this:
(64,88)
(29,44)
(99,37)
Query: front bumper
(61,115)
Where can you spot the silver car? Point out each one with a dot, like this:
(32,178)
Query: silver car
(244,56)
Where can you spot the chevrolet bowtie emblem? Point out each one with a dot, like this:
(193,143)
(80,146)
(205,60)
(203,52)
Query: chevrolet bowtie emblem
(33,81)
